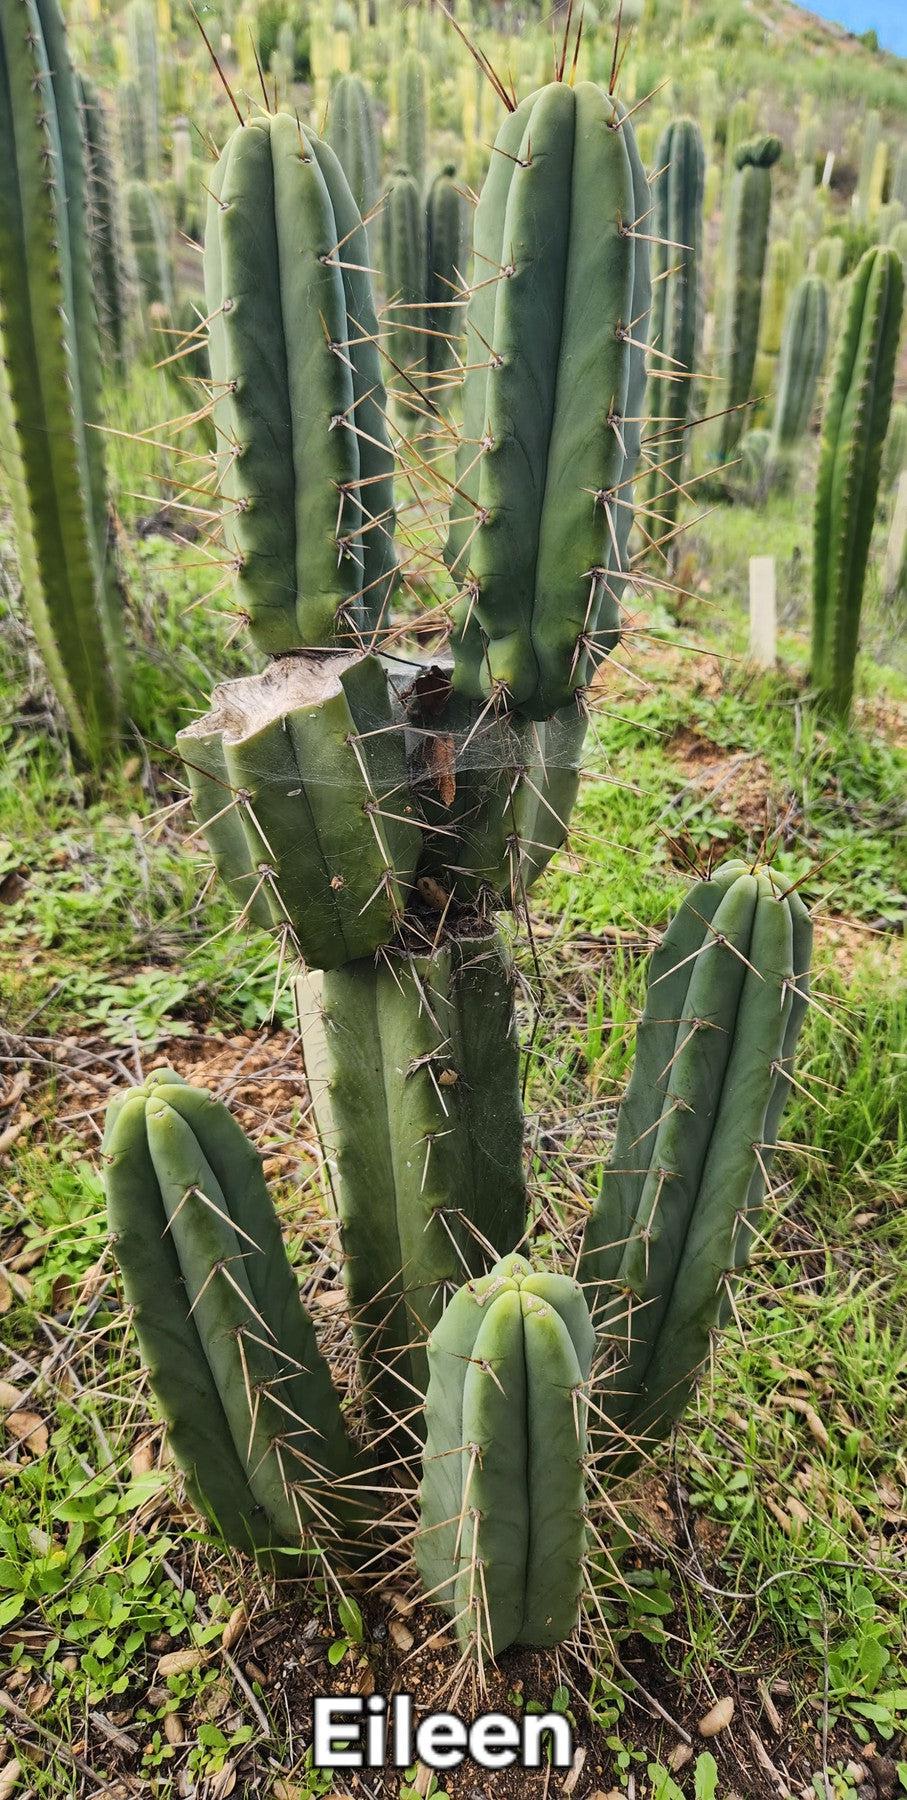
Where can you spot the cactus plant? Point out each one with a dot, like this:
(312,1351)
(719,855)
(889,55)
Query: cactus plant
(503,1530)
(423,1098)
(682,1196)
(676,326)
(854,424)
(299,419)
(252,1415)
(803,350)
(50,375)
(828,260)
(412,115)
(444,253)
(131,131)
(353,136)
(105,229)
(541,579)
(894,455)
(150,249)
(751,199)
(378,816)
(404,274)
(141,39)
(309,754)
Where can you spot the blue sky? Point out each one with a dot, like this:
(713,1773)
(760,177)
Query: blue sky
(888,17)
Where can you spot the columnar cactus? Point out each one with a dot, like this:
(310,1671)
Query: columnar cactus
(133,149)
(412,115)
(308,758)
(377,814)
(540,518)
(150,248)
(141,38)
(828,259)
(252,1415)
(503,1532)
(676,326)
(301,421)
(444,272)
(50,375)
(425,1126)
(854,424)
(403,239)
(751,198)
(105,230)
(682,1196)
(353,136)
(803,348)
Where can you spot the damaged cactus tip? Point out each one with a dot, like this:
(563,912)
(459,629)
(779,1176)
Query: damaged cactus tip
(299,782)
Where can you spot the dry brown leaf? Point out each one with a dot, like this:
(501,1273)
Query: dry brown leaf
(574,1772)
(401,1635)
(16,1130)
(179,1662)
(223,1783)
(9,1396)
(679,1757)
(141,1462)
(717,1718)
(6,1292)
(30,1431)
(235,1626)
(9,1776)
(174,1729)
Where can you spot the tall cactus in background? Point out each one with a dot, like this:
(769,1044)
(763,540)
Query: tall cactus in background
(803,348)
(856,416)
(353,137)
(149,247)
(403,239)
(751,199)
(539,553)
(141,39)
(133,148)
(676,324)
(105,228)
(412,115)
(828,259)
(444,269)
(50,375)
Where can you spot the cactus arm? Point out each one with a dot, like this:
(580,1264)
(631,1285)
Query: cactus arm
(254,1340)
(703,1129)
(502,1534)
(803,348)
(443,268)
(611,1224)
(104,223)
(676,324)
(274,280)
(404,270)
(183,1384)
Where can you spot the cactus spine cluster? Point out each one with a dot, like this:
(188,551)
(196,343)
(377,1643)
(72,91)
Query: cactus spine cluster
(676,309)
(50,376)
(803,348)
(854,425)
(751,199)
